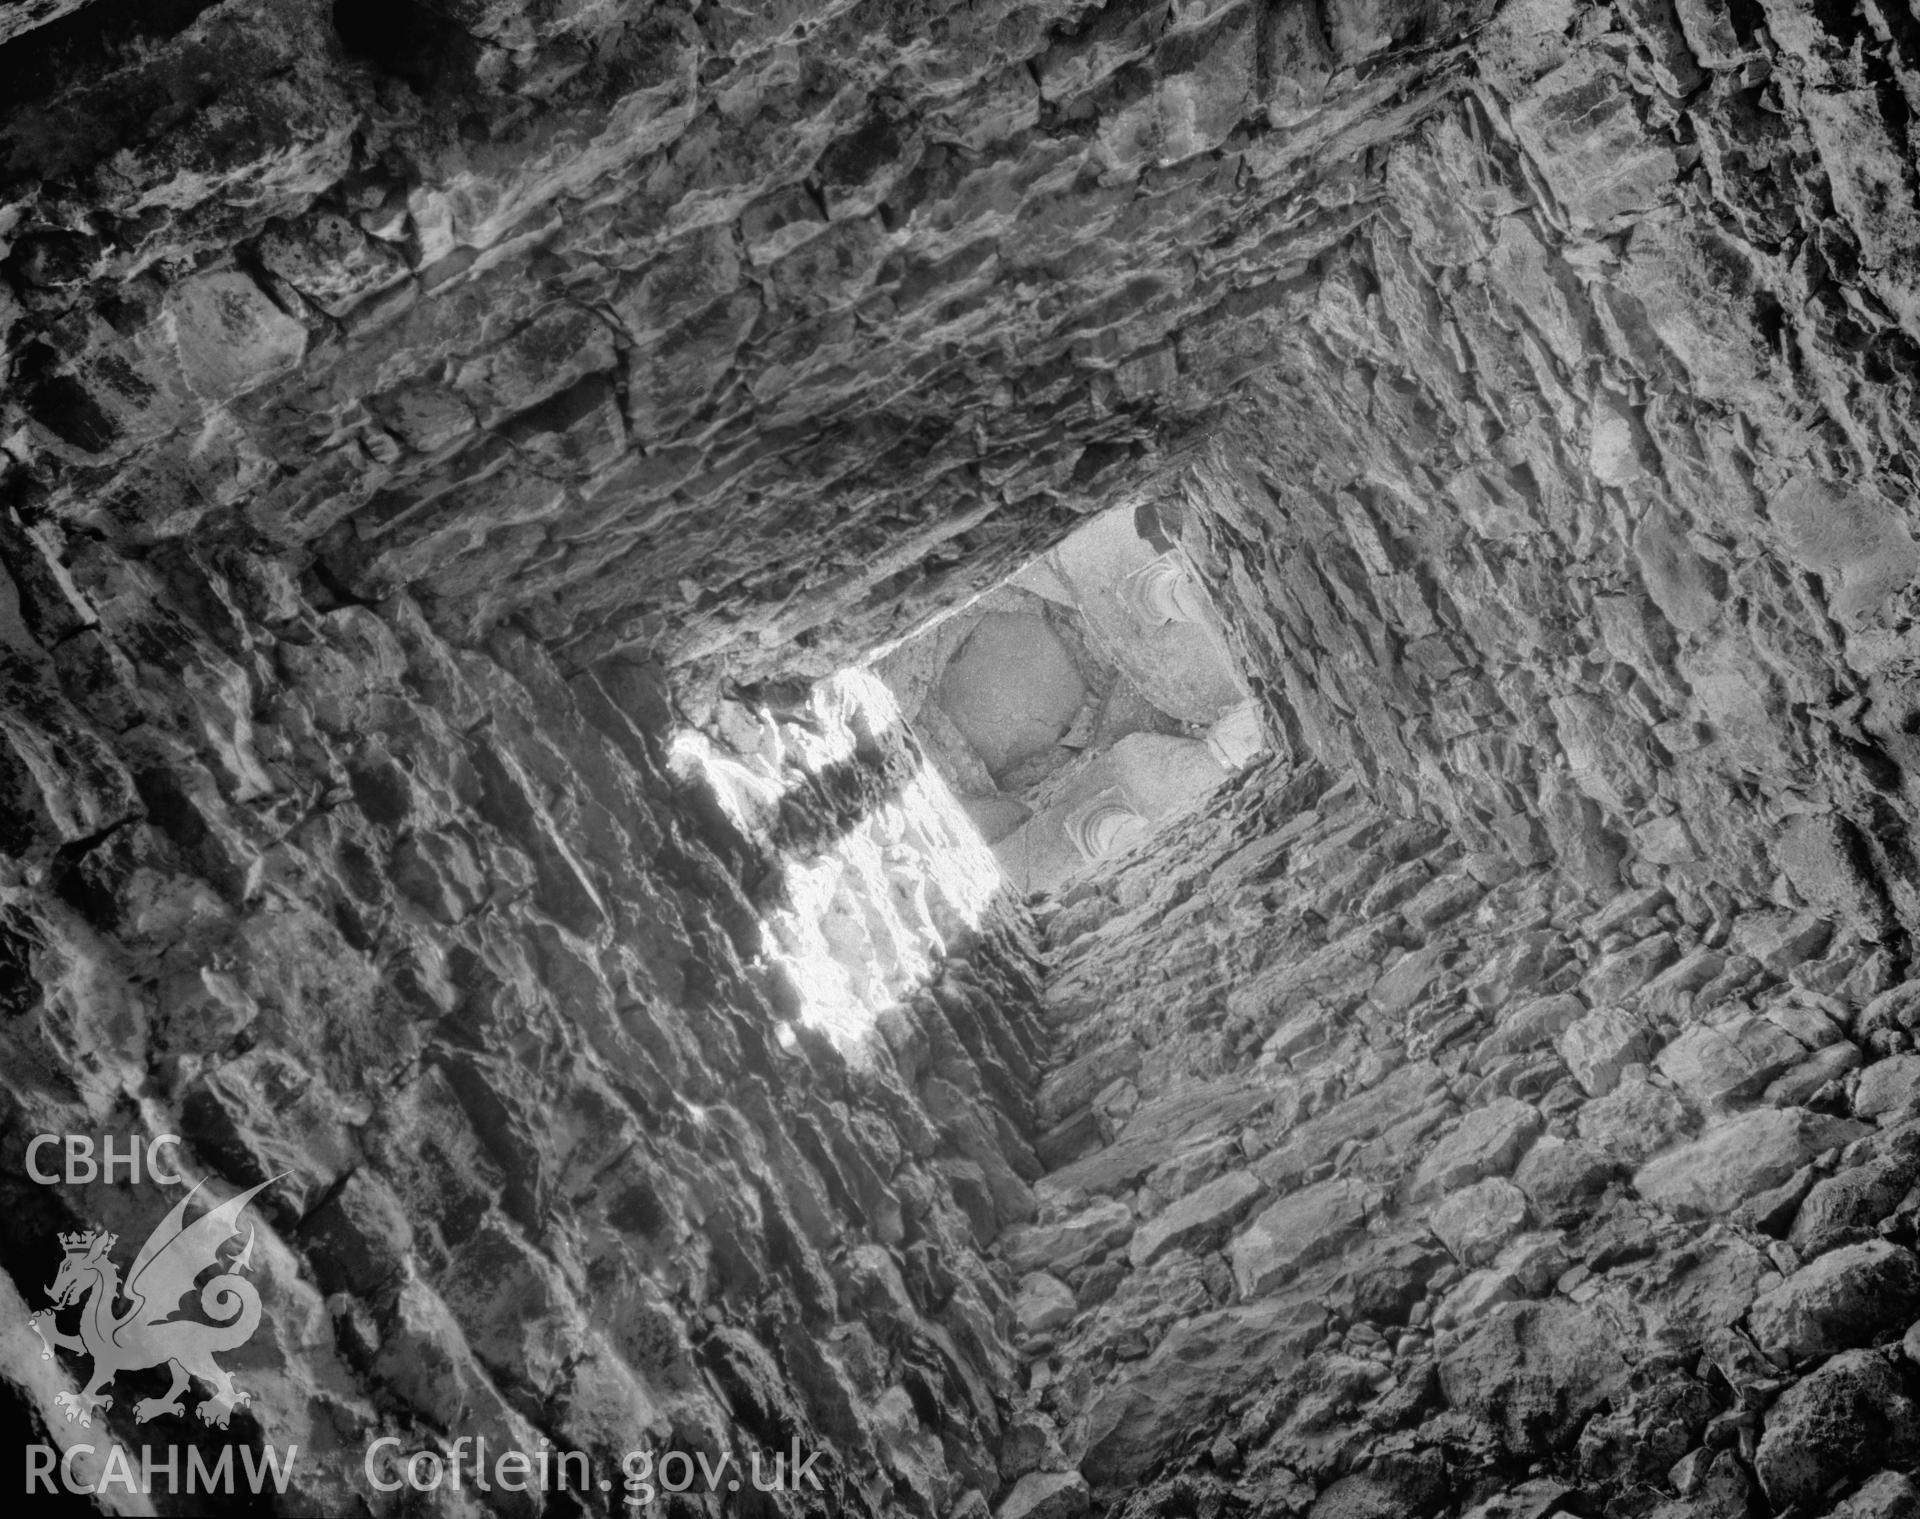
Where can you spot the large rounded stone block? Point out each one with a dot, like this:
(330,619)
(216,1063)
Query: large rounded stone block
(1851,1415)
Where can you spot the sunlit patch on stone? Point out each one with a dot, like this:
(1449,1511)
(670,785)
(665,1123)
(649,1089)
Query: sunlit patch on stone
(865,921)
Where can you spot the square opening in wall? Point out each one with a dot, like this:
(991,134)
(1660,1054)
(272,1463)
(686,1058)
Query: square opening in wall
(1084,701)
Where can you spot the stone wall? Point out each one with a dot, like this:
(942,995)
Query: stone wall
(432,935)
(1389,1178)
(413,416)
(1583,522)
(1536,1098)
(529,309)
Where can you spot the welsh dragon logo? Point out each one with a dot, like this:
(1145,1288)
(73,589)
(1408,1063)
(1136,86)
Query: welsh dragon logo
(152,1331)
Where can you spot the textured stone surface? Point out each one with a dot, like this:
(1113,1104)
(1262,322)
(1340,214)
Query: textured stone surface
(1197,1218)
(1717,1065)
(1885,1497)
(423,430)
(1045,1495)
(1535,1372)
(1850,1297)
(1722,1169)
(1888,1087)
(1202,1364)
(1475,1222)
(1296,1232)
(1361,1138)
(1840,1208)
(468,1012)
(584,277)
(1601,1045)
(1044,1302)
(1489,1142)
(1850,1414)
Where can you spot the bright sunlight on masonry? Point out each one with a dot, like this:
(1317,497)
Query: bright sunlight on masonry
(865,921)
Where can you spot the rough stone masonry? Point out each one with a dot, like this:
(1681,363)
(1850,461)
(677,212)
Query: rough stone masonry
(1502,1102)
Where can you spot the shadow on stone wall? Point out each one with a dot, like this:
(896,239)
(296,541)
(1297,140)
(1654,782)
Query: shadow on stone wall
(434,930)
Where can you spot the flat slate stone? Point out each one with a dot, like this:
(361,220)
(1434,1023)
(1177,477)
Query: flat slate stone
(1488,1142)
(1722,1064)
(1746,1154)
(1891,1495)
(1044,1302)
(1359,1117)
(1198,1219)
(1846,1298)
(1045,1495)
(1850,1204)
(1072,1242)
(1601,1045)
(1203,1364)
(1476,1221)
(1186,1117)
(1635,1120)
(1563,1177)
(1299,1230)
(1887,1085)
